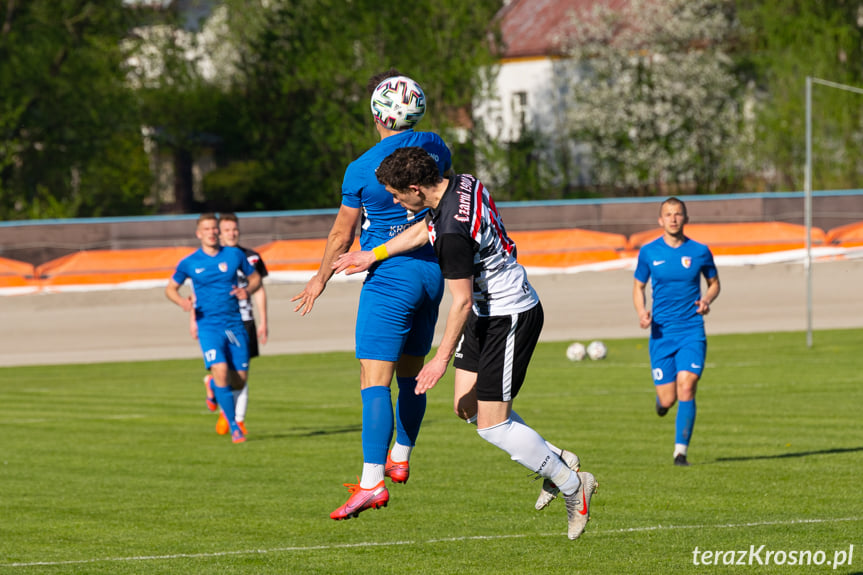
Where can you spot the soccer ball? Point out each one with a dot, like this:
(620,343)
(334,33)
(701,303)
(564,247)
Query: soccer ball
(398,103)
(596,350)
(575,352)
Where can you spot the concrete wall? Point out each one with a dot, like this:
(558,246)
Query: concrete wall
(40,241)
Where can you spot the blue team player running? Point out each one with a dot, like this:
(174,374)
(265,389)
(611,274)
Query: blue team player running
(213,270)
(678,345)
(399,301)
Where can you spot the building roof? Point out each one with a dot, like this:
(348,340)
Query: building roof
(532,28)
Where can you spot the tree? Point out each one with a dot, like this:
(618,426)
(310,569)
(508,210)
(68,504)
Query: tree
(181,72)
(784,41)
(299,102)
(651,90)
(70,140)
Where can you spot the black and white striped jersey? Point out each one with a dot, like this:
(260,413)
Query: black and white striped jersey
(254,259)
(470,241)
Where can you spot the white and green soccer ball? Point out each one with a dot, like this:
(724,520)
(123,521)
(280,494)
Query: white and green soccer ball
(596,350)
(398,103)
(576,351)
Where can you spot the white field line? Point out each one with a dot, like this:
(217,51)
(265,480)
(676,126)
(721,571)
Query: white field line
(308,548)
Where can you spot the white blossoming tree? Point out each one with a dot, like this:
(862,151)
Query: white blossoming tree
(652,95)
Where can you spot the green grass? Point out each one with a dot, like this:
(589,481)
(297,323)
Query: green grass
(115,468)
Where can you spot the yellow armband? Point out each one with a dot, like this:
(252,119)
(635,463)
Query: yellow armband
(381,252)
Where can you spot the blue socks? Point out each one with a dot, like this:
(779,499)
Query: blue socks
(225,399)
(377,423)
(685,421)
(410,410)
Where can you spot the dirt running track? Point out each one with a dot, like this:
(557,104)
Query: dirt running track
(131,325)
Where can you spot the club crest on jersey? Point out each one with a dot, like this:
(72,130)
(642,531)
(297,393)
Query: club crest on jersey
(686,261)
(223,266)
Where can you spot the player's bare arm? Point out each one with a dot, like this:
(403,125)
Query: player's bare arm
(339,241)
(193,325)
(260,301)
(709,297)
(461,291)
(254,285)
(639,301)
(172,292)
(355,262)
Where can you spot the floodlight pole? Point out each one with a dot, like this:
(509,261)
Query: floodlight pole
(807,211)
(807,192)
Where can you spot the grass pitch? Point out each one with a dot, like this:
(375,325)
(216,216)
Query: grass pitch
(115,468)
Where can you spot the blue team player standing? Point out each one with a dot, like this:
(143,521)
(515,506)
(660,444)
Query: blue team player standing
(213,270)
(678,344)
(399,302)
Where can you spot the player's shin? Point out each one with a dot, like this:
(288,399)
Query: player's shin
(685,421)
(410,410)
(527,447)
(225,399)
(241,402)
(377,433)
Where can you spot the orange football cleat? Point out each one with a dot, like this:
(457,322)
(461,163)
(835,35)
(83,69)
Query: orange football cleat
(222,425)
(238,437)
(398,471)
(211,397)
(360,500)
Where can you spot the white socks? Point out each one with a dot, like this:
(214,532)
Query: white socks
(680,449)
(241,402)
(373,473)
(400,452)
(527,447)
(517,418)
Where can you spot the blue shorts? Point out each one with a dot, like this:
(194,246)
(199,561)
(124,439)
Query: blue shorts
(668,356)
(398,309)
(229,346)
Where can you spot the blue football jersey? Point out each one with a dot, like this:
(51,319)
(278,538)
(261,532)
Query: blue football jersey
(213,278)
(382,219)
(675,274)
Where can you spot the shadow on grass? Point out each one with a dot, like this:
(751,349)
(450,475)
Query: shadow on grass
(318,431)
(307,432)
(331,431)
(796,454)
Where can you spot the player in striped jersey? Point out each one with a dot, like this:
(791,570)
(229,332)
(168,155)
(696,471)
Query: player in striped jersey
(495,319)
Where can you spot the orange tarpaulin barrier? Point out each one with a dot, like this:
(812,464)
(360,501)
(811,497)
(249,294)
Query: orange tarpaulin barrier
(294,255)
(112,266)
(567,259)
(566,248)
(566,240)
(546,248)
(542,248)
(848,235)
(16,274)
(741,238)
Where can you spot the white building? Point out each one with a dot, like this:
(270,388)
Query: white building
(529,91)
